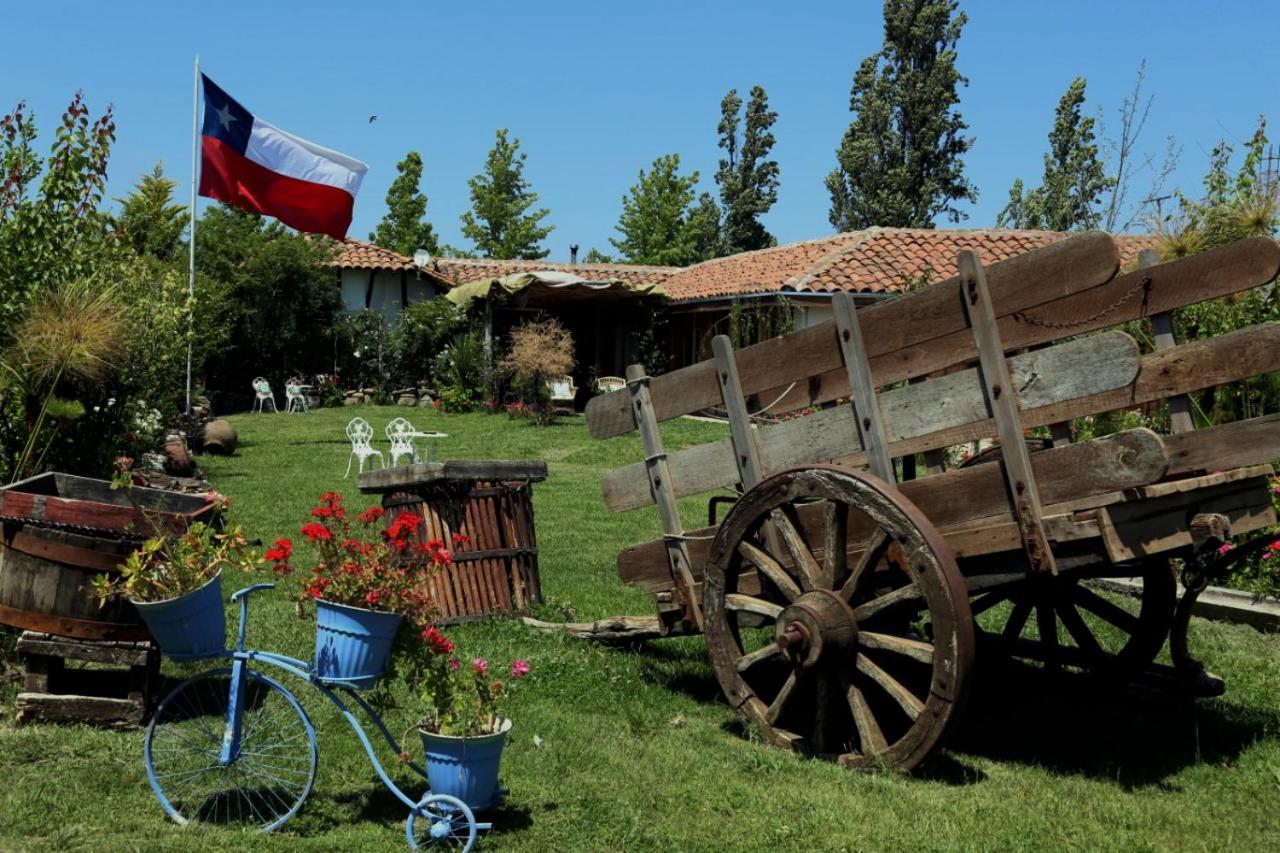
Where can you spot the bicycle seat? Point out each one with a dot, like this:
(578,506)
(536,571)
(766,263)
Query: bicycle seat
(241,593)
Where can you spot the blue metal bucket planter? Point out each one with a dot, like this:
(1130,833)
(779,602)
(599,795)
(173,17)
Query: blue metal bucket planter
(191,626)
(352,643)
(466,767)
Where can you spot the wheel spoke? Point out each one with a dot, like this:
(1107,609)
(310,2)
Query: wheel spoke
(871,555)
(1017,620)
(810,571)
(1103,609)
(770,568)
(835,557)
(751,604)
(1078,630)
(911,706)
(819,740)
(1047,626)
(870,737)
(914,649)
(987,601)
(779,702)
(763,653)
(863,612)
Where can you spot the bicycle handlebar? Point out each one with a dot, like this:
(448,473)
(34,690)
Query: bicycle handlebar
(241,593)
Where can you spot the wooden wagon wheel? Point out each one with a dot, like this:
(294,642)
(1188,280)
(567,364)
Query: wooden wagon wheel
(1062,621)
(865,652)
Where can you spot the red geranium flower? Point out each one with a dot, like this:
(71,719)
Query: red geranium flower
(370,515)
(316,532)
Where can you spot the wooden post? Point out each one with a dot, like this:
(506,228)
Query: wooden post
(781,534)
(663,495)
(1162,327)
(866,410)
(1002,399)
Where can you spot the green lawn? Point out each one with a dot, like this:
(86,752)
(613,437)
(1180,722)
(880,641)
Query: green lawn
(638,750)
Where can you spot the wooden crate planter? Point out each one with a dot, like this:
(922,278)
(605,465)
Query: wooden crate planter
(495,572)
(113,698)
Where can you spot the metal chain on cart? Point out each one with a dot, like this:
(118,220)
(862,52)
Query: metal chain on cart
(98,532)
(1142,286)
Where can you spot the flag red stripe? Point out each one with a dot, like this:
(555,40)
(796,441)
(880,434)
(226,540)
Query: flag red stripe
(230,177)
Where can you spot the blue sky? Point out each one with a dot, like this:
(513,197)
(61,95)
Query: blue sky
(595,91)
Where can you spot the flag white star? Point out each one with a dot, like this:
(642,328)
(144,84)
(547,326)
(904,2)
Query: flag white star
(225,117)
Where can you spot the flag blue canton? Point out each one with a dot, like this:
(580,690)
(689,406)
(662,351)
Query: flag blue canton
(224,118)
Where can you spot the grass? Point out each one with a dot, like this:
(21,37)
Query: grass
(639,752)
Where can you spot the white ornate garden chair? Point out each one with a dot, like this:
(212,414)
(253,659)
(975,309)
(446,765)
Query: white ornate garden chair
(295,399)
(361,435)
(401,434)
(263,395)
(605,384)
(563,391)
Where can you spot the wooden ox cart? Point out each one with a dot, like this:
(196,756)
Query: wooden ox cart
(842,609)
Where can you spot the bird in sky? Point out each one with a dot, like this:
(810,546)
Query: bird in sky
(372,119)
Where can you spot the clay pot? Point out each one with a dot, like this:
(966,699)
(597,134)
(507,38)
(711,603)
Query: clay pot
(220,437)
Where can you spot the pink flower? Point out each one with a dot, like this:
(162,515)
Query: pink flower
(455,664)
(1275,546)
(1266,555)
(1224,547)
(519,668)
(480,665)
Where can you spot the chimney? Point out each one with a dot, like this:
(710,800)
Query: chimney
(573,253)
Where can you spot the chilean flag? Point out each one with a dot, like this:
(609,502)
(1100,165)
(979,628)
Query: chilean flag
(254,165)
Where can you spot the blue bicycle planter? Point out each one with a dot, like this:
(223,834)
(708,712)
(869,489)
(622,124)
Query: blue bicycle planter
(233,745)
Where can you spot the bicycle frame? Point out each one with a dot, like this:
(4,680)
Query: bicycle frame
(242,657)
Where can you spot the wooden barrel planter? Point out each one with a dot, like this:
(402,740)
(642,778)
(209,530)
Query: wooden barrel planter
(495,570)
(59,532)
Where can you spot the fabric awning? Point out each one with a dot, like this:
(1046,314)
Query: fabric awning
(550,288)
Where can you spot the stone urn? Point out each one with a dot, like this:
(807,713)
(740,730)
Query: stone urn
(220,437)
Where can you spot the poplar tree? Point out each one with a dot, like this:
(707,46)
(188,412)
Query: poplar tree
(748,179)
(1070,194)
(499,221)
(405,228)
(899,163)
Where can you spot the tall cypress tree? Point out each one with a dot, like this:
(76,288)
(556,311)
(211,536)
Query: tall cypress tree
(405,228)
(499,221)
(748,180)
(1074,182)
(899,163)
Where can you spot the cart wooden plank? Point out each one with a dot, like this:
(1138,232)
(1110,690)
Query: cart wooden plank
(1077,471)
(1183,369)
(1225,446)
(1080,368)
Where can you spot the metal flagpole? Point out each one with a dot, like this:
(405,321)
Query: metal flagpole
(191,279)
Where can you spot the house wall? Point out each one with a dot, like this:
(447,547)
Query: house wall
(386,294)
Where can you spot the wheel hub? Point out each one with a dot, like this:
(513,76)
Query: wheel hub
(817,623)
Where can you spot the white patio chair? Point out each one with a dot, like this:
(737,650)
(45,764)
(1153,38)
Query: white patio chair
(295,399)
(263,395)
(401,434)
(361,435)
(605,384)
(563,391)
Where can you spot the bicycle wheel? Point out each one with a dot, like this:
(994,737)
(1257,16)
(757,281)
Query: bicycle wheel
(263,786)
(441,821)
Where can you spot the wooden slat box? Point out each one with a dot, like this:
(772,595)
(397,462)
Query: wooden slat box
(495,572)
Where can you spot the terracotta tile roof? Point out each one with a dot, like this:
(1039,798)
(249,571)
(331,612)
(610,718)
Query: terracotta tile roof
(358,255)
(877,260)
